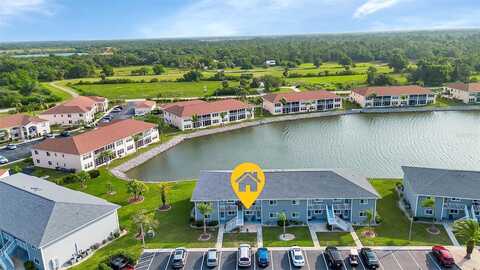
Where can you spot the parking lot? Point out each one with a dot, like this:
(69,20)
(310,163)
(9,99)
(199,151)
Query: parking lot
(279,260)
(22,151)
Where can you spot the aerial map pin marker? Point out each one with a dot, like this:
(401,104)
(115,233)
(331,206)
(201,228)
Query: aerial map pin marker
(247,180)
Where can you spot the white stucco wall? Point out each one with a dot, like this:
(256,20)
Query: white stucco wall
(69,118)
(57,159)
(63,249)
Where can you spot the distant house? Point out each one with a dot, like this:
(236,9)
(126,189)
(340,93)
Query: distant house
(468,93)
(83,152)
(247,182)
(201,114)
(4,173)
(270,62)
(337,197)
(142,107)
(301,102)
(22,127)
(79,110)
(49,224)
(392,96)
(455,193)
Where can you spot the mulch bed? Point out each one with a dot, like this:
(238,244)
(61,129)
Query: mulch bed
(136,201)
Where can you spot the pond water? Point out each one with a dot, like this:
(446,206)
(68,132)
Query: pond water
(375,145)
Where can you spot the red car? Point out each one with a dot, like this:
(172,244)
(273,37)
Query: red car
(443,256)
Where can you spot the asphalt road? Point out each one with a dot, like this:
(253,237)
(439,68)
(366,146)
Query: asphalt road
(279,260)
(22,151)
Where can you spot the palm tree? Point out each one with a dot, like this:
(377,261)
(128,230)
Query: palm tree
(430,203)
(83,178)
(468,230)
(195,119)
(136,189)
(369,216)
(106,156)
(142,220)
(110,190)
(222,115)
(205,209)
(282,217)
(164,191)
(161,126)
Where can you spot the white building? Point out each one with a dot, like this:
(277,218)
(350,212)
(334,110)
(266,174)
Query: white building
(49,224)
(4,173)
(142,107)
(301,102)
(22,127)
(270,62)
(468,93)
(201,114)
(79,110)
(83,152)
(392,96)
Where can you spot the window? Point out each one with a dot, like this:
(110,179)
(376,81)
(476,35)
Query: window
(295,202)
(69,115)
(272,202)
(362,214)
(36,152)
(118,143)
(317,201)
(455,200)
(295,214)
(48,154)
(362,201)
(317,212)
(36,261)
(38,161)
(453,211)
(428,211)
(273,214)
(222,214)
(49,163)
(231,213)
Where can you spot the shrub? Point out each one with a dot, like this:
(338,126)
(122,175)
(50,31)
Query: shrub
(280,223)
(378,219)
(70,179)
(104,266)
(94,173)
(29,265)
(154,80)
(212,223)
(96,246)
(116,234)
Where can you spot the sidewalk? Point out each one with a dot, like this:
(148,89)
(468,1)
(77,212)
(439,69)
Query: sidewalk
(449,229)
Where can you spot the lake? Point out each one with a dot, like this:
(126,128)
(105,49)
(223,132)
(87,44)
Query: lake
(375,145)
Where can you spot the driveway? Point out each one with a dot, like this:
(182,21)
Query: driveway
(22,151)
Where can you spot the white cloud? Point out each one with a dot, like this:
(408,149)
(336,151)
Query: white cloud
(372,6)
(13,8)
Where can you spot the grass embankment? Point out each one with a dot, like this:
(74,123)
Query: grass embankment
(394,229)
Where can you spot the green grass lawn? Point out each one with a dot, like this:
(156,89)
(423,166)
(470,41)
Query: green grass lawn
(302,237)
(393,231)
(62,94)
(445,102)
(335,239)
(151,90)
(235,239)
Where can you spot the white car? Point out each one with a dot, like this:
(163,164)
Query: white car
(296,256)
(11,146)
(3,160)
(244,255)
(212,258)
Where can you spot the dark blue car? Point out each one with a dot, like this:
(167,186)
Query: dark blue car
(263,257)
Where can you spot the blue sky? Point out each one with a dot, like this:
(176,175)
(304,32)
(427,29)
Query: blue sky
(22,20)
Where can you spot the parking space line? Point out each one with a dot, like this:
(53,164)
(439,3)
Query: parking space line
(433,261)
(414,260)
(361,262)
(396,261)
(203,259)
(151,261)
(168,262)
(236,261)
(306,259)
(254,262)
(380,263)
(220,260)
(324,260)
(271,259)
(289,260)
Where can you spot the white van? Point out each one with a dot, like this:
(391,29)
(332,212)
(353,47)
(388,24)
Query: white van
(244,255)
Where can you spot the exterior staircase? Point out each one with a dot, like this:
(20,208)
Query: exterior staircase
(469,214)
(6,262)
(474,217)
(235,222)
(336,222)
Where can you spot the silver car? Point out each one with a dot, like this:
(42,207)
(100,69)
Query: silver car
(212,258)
(3,160)
(296,255)
(244,255)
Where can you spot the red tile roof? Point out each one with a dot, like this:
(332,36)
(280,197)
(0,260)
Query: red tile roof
(95,139)
(78,104)
(144,104)
(469,87)
(182,103)
(299,96)
(3,171)
(392,90)
(186,109)
(18,120)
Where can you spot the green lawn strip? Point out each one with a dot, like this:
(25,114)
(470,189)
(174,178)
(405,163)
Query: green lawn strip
(393,231)
(446,102)
(235,239)
(335,239)
(57,92)
(271,237)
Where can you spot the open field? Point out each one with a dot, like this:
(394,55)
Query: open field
(62,94)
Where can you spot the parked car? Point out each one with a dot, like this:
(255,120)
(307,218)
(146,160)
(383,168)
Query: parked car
(333,257)
(353,257)
(369,258)
(179,258)
(109,117)
(3,160)
(263,257)
(116,110)
(11,146)
(244,255)
(443,256)
(212,258)
(296,256)
(49,135)
(65,133)
(120,262)
(104,120)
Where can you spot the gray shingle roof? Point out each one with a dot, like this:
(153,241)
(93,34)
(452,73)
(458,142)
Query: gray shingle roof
(289,184)
(443,182)
(39,212)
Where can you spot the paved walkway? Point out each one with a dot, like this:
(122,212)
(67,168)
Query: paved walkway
(313,235)
(358,243)
(221,230)
(259,235)
(449,229)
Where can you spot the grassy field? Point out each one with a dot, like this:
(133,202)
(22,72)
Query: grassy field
(150,90)
(393,231)
(235,239)
(338,239)
(62,94)
(302,237)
